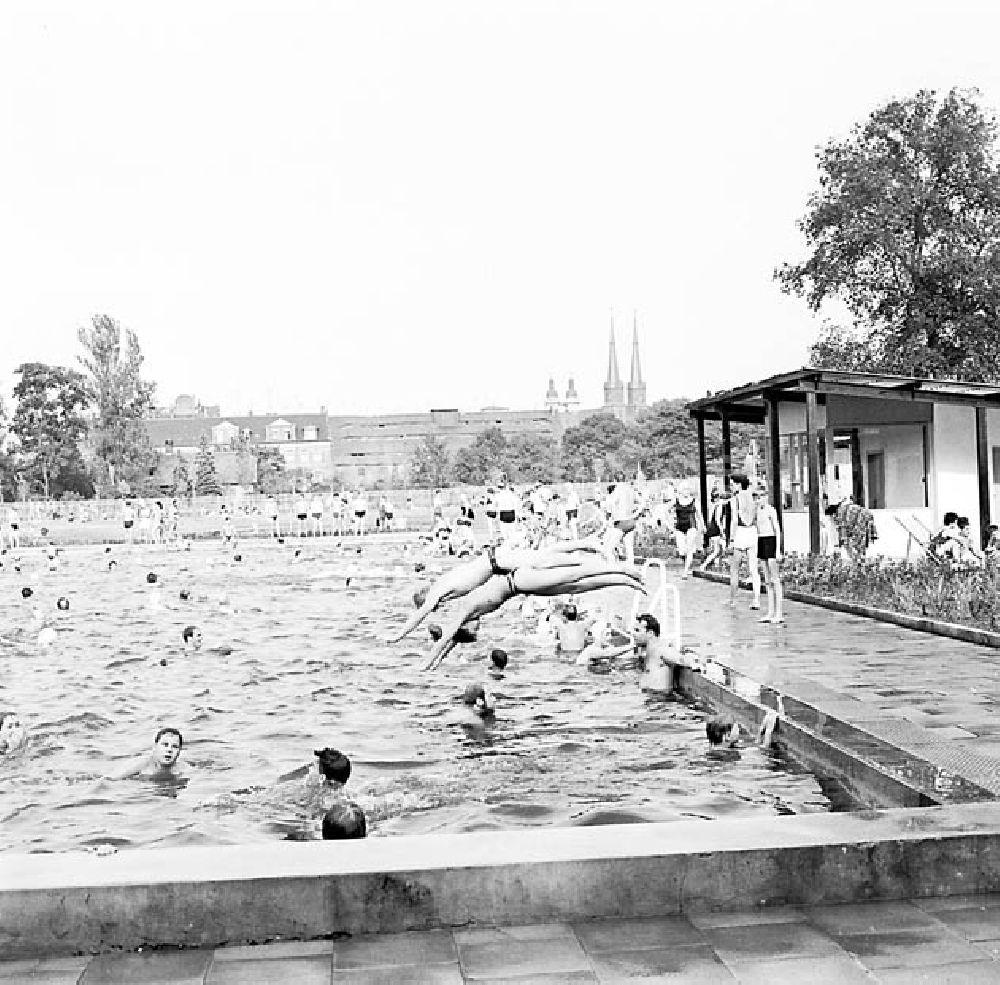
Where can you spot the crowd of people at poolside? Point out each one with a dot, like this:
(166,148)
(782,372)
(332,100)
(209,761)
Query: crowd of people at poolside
(543,547)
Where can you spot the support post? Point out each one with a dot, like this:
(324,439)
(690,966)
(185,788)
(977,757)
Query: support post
(812,458)
(774,436)
(727,453)
(702,466)
(983,466)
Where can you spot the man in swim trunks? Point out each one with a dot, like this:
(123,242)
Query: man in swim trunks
(559,580)
(128,520)
(316,514)
(769,554)
(360,505)
(623,507)
(744,531)
(571,630)
(159,764)
(301,514)
(494,560)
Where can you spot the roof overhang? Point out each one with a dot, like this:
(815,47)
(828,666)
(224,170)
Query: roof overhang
(748,404)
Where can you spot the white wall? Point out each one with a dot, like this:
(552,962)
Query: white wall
(903,448)
(792,418)
(953,458)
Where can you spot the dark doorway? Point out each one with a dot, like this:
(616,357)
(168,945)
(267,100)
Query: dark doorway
(876,481)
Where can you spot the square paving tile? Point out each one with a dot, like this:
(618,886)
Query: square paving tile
(281,949)
(934,904)
(966,973)
(693,964)
(432,974)
(975,923)
(42,977)
(748,918)
(620,935)
(512,959)
(381,950)
(767,941)
(910,949)
(869,918)
(156,968)
(525,932)
(831,969)
(315,970)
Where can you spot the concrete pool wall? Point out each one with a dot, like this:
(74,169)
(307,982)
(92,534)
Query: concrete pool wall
(199,897)
(71,904)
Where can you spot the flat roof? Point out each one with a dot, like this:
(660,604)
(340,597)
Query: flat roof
(748,402)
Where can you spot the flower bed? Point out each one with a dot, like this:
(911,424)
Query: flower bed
(949,593)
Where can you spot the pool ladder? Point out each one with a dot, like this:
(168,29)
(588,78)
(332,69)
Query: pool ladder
(667,599)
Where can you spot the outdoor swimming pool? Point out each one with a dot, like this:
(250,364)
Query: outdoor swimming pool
(308,669)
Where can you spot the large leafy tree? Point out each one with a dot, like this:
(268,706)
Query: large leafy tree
(478,463)
(49,422)
(591,449)
(206,479)
(533,458)
(904,231)
(430,464)
(113,361)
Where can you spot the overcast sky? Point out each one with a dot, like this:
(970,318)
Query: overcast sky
(380,207)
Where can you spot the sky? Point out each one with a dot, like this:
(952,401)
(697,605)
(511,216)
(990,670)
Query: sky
(379,207)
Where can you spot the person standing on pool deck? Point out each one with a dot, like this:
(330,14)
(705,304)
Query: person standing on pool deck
(769,554)
(744,531)
(623,507)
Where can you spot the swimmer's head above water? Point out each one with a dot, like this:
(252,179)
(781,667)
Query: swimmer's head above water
(12,732)
(167,745)
(333,765)
(344,821)
(498,658)
(191,635)
(482,701)
(722,731)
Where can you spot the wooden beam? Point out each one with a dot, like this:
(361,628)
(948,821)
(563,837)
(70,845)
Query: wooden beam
(812,457)
(857,470)
(983,464)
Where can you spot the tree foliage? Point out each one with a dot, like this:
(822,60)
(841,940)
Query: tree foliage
(430,465)
(206,479)
(904,230)
(121,395)
(592,450)
(480,462)
(271,471)
(49,423)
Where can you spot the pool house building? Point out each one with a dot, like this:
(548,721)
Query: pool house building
(909,449)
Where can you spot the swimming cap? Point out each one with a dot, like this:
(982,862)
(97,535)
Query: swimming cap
(185,594)
(63,603)
(26,592)
(436,631)
(151,578)
(498,658)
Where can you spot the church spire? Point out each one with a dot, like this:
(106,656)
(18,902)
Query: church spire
(614,389)
(636,388)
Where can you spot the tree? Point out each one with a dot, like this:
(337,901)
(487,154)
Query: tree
(182,485)
(905,231)
(271,470)
(121,396)
(533,458)
(478,463)
(430,465)
(206,481)
(590,449)
(48,421)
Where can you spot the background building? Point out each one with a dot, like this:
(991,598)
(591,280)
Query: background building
(376,450)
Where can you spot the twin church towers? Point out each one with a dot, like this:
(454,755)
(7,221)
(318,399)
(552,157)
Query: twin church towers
(624,400)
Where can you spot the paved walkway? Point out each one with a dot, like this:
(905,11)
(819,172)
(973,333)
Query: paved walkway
(954,940)
(935,696)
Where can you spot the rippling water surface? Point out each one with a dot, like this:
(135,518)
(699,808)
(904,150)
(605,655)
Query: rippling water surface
(308,669)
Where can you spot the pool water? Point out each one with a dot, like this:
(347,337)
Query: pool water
(308,669)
